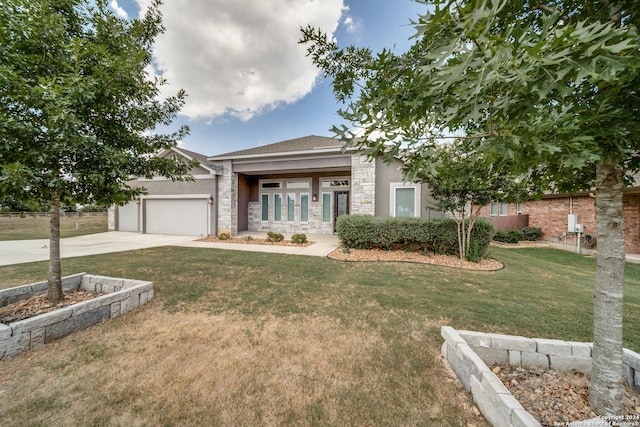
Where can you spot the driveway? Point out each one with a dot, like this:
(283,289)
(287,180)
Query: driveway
(21,251)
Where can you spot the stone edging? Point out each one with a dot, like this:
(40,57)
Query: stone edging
(121,296)
(470,352)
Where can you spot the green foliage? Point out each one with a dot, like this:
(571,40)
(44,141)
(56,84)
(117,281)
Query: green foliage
(224,235)
(274,237)
(78,111)
(501,236)
(299,238)
(436,235)
(532,234)
(515,236)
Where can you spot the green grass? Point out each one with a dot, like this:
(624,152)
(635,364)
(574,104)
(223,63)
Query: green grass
(283,339)
(540,292)
(28,228)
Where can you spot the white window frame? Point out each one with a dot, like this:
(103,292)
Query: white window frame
(417,197)
(493,209)
(274,206)
(289,197)
(270,181)
(329,180)
(299,184)
(262,195)
(330,194)
(305,221)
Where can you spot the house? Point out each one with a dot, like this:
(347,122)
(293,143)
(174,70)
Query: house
(551,214)
(172,207)
(296,186)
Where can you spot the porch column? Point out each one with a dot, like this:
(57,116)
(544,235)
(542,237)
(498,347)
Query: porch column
(363,185)
(228,200)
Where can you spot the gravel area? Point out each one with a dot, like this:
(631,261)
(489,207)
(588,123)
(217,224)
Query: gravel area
(343,254)
(556,398)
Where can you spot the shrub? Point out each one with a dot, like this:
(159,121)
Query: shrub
(501,236)
(514,236)
(436,235)
(274,237)
(532,234)
(299,238)
(224,235)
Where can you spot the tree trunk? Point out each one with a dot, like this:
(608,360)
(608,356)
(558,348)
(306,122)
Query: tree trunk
(54,293)
(605,388)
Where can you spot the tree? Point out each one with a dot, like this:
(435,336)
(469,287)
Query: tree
(462,183)
(548,86)
(78,108)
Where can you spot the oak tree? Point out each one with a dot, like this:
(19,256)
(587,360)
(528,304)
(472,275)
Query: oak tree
(78,108)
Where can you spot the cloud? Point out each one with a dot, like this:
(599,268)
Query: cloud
(119,11)
(239,57)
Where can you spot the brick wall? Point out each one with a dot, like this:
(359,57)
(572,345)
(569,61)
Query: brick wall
(550,214)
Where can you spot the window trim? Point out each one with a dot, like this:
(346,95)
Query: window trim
(330,219)
(417,197)
(302,195)
(262,196)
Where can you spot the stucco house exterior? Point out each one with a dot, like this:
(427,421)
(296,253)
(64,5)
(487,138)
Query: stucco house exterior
(295,186)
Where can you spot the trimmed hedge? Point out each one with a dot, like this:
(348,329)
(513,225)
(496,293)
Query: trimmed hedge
(436,235)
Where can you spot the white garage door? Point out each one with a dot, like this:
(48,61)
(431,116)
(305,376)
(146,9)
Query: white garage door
(177,216)
(128,217)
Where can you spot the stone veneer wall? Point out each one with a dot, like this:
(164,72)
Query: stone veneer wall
(470,352)
(121,296)
(228,199)
(315,225)
(363,185)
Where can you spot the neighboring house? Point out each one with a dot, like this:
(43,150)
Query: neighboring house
(551,213)
(172,207)
(296,186)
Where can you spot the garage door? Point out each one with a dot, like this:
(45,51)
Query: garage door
(177,216)
(128,217)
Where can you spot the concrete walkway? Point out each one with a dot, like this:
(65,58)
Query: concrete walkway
(22,251)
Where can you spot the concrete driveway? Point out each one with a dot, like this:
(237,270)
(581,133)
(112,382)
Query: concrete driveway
(21,251)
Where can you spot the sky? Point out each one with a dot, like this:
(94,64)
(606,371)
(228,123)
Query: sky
(248,81)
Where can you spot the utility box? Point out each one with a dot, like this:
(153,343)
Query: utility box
(579,228)
(572,220)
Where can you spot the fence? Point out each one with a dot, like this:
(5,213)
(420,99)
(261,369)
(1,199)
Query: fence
(48,214)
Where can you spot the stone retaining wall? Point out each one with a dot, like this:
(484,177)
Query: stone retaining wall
(120,296)
(470,352)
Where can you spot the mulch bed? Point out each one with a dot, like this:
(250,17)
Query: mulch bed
(373,255)
(556,398)
(40,304)
(248,240)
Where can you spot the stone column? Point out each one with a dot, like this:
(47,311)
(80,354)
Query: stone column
(228,200)
(363,185)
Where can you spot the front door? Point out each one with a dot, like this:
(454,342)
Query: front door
(341,205)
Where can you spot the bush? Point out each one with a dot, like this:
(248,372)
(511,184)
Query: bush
(436,235)
(299,238)
(501,236)
(274,237)
(532,234)
(514,236)
(224,235)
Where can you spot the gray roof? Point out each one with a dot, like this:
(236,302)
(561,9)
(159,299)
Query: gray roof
(306,143)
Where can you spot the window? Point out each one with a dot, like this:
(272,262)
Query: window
(291,202)
(297,184)
(265,207)
(270,185)
(304,207)
(519,208)
(326,207)
(277,207)
(405,200)
(504,208)
(494,209)
(332,183)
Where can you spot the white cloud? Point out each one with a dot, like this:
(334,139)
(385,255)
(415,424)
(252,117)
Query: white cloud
(119,10)
(239,57)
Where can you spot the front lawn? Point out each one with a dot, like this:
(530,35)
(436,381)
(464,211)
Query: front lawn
(29,227)
(254,339)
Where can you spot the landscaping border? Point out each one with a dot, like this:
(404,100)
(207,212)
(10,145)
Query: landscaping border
(469,353)
(120,296)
